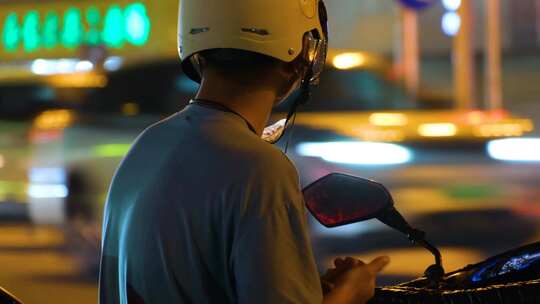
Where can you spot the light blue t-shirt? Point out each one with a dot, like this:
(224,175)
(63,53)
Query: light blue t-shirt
(203,211)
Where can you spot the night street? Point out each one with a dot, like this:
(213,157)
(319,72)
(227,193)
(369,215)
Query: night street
(153,144)
(468,223)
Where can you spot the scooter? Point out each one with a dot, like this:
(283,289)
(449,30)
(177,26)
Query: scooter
(509,278)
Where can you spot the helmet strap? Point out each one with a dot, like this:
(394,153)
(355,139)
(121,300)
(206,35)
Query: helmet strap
(303,98)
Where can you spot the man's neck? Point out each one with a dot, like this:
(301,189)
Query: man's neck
(254,104)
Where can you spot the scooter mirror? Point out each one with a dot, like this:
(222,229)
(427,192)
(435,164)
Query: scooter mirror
(340,199)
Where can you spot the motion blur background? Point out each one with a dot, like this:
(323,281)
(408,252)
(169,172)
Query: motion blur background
(436,99)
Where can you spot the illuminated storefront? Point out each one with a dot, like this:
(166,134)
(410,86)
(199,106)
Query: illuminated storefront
(47,29)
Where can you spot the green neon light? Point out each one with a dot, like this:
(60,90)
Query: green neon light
(137,24)
(113,35)
(114,27)
(31,36)
(93,18)
(473,192)
(72,33)
(111,150)
(11,33)
(51,27)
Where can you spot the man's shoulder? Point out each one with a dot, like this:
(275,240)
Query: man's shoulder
(267,160)
(236,150)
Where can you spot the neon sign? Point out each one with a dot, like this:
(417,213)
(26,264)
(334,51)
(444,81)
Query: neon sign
(114,27)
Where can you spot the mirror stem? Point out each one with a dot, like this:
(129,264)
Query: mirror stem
(418,236)
(434,273)
(393,218)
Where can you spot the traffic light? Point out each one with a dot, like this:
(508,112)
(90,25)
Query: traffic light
(451,20)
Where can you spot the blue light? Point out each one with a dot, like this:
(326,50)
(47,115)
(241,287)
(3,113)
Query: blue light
(357,153)
(513,264)
(417,4)
(113,63)
(47,175)
(451,23)
(519,263)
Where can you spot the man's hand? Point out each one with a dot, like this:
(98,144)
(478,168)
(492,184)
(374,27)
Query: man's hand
(352,281)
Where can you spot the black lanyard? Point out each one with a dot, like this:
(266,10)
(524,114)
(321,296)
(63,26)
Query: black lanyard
(217,106)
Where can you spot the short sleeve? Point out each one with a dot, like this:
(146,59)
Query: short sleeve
(272,256)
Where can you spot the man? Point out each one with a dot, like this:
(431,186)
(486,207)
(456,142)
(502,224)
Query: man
(202,210)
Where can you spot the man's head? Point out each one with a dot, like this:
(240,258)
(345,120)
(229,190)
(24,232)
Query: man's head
(253,42)
(247,69)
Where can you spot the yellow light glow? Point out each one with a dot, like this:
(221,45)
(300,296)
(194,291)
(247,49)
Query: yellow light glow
(382,135)
(388,119)
(455,258)
(54,120)
(438,130)
(80,80)
(476,117)
(499,130)
(347,61)
(130,109)
(528,125)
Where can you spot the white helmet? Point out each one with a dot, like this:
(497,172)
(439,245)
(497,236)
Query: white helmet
(275,28)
